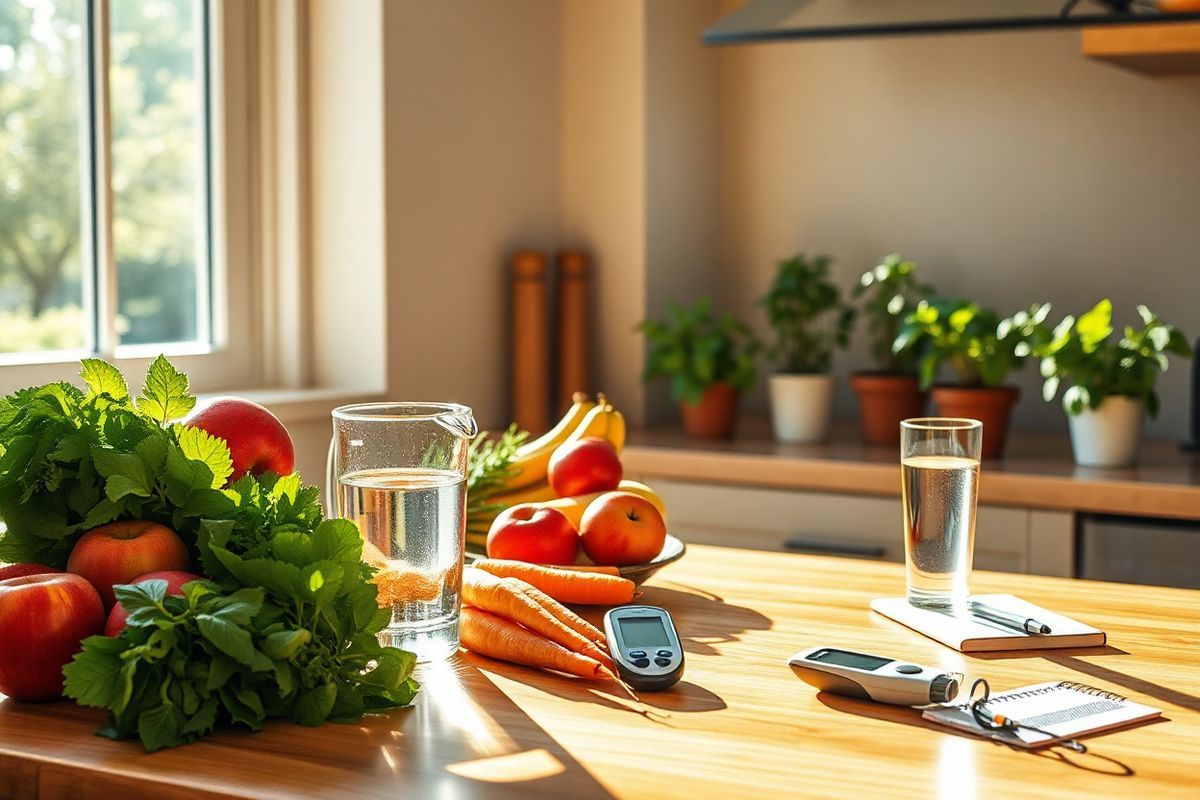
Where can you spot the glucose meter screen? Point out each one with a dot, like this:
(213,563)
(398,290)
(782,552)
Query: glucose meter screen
(854,660)
(644,632)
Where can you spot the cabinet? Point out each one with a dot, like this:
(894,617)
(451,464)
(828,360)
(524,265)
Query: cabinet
(1006,538)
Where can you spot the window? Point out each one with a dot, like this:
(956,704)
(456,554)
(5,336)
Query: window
(111,139)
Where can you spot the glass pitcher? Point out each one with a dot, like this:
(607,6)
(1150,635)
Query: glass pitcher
(399,471)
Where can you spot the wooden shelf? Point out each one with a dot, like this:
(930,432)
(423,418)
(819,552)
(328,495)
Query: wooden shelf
(1156,49)
(1036,472)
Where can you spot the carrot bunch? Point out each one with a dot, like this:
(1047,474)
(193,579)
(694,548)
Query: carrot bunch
(509,619)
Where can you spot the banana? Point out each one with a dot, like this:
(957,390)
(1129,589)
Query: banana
(573,507)
(531,494)
(533,457)
(602,421)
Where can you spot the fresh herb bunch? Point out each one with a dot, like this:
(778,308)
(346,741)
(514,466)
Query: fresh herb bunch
(695,349)
(286,627)
(72,460)
(981,347)
(1082,352)
(808,315)
(491,463)
(892,292)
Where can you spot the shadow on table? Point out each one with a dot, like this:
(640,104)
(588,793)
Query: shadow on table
(1157,691)
(1002,655)
(704,620)
(1089,762)
(684,697)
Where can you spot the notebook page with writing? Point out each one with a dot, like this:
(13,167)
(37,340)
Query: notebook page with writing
(1065,709)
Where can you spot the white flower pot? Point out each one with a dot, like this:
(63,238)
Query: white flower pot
(1108,436)
(801,406)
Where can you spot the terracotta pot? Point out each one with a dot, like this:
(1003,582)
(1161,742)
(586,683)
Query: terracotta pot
(991,406)
(884,401)
(714,416)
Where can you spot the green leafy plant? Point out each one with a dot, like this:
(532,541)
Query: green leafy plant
(806,311)
(891,291)
(285,627)
(981,347)
(491,463)
(1082,352)
(695,349)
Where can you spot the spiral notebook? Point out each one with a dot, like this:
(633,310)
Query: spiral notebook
(1066,709)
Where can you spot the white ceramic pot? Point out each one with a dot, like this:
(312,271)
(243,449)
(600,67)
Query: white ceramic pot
(801,406)
(1108,436)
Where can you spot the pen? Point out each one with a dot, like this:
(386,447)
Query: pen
(1014,621)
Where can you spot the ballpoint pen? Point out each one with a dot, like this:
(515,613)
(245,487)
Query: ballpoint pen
(1015,621)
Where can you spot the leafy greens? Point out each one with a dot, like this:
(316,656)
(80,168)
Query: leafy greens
(285,623)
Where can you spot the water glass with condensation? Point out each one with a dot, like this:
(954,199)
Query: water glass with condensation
(399,471)
(939,483)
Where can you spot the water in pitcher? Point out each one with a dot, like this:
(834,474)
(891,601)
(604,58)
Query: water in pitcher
(939,527)
(413,522)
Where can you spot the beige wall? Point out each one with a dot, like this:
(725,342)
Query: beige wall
(1011,168)
(603,159)
(682,164)
(471,113)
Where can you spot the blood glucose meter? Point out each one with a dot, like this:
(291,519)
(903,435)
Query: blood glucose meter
(885,680)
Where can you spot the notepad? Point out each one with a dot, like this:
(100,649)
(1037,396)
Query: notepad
(969,634)
(1065,709)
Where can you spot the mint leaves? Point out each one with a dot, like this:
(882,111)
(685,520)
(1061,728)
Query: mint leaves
(165,393)
(284,625)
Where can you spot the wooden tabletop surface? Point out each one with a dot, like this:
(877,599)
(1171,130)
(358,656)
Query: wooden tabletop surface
(1036,472)
(739,725)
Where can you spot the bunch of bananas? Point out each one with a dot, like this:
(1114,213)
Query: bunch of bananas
(526,478)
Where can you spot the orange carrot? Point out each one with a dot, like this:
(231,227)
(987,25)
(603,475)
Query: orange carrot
(560,612)
(505,640)
(565,586)
(591,568)
(504,599)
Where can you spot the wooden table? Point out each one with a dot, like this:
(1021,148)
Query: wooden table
(740,725)
(1037,470)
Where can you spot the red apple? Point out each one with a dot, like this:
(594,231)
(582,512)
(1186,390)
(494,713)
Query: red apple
(529,533)
(121,551)
(588,465)
(257,440)
(21,570)
(620,528)
(43,618)
(175,581)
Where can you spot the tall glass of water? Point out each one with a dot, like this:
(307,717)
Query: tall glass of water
(939,468)
(399,471)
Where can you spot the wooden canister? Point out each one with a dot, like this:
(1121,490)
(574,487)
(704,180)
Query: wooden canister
(529,342)
(574,327)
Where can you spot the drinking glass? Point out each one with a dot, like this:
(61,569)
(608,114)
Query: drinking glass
(939,484)
(399,472)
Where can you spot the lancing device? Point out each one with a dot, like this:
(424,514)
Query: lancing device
(884,680)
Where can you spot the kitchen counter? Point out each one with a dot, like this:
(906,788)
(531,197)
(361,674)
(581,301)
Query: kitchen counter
(1037,471)
(739,725)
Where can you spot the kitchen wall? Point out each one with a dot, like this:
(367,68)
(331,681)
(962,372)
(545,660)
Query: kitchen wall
(1011,168)
(471,117)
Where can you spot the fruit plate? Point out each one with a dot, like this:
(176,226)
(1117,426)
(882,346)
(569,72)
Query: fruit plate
(673,550)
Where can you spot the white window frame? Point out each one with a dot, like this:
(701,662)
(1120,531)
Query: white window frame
(235,357)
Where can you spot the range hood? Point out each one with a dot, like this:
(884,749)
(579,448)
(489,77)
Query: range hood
(782,20)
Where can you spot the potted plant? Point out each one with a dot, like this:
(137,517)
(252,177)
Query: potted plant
(982,349)
(709,361)
(890,393)
(809,319)
(1112,383)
